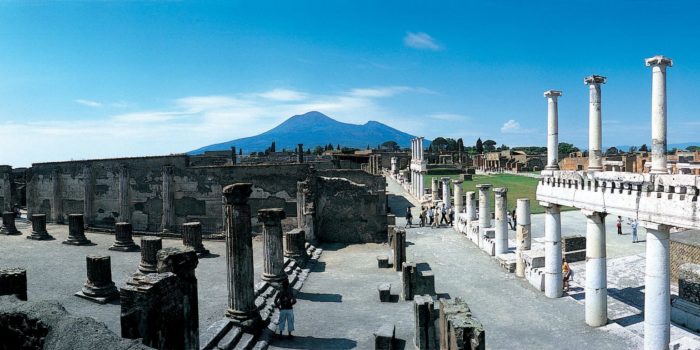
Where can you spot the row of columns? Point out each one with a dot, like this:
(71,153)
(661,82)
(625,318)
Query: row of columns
(417,176)
(657,281)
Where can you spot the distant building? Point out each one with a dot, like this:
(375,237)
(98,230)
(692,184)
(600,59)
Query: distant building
(509,160)
(681,162)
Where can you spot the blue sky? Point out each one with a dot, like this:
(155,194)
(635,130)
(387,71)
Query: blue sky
(106,79)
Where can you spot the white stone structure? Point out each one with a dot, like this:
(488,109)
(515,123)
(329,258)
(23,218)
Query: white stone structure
(552,129)
(501,206)
(446,196)
(459,200)
(394,166)
(484,211)
(523,235)
(595,132)
(418,168)
(434,188)
(658,200)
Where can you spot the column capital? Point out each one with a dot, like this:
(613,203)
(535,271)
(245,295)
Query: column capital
(500,191)
(658,60)
(446,179)
(237,193)
(271,216)
(595,80)
(552,94)
(457,181)
(484,187)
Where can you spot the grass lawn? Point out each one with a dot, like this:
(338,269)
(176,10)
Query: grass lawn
(518,187)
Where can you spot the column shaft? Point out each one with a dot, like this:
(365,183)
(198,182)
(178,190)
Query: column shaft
(57,197)
(168,219)
(484,211)
(552,129)
(657,293)
(501,220)
(459,203)
(88,194)
(446,192)
(523,234)
(595,133)
(124,200)
(552,251)
(658,66)
(273,258)
(596,271)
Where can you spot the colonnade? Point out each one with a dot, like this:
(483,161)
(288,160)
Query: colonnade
(418,168)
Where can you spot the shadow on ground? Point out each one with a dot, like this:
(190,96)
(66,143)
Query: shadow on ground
(314,343)
(321,297)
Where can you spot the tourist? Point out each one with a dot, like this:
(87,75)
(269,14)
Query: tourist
(619,225)
(443,215)
(509,219)
(422,216)
(515,219)
(567,273)
(430,215)
(409,217)
(633,224)
(284,301)
(452,215)
(437,215)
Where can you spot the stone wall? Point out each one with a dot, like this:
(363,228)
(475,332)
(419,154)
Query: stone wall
(685,248)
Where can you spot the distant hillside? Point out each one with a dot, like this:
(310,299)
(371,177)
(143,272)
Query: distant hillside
(316,129)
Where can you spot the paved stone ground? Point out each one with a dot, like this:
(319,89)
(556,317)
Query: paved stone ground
(56,271)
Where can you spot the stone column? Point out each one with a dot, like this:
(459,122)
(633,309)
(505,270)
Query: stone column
(398,246)
(552,129)
(471,206)
(459,204)
(149,254)
(183,265)
(234,156)
(300,153)
(596,270)
(657,291)
(124,199)
(168,219)
(553,282)
(595,133)
(88,194)
(192,238)
(13,281)
(39,228)
(434,188)
(273,266)
(425,337)
(56,197)
(76,231)
(8,224)
(99,286)
(484,211)
(394,167)
(658,66)
(523,234)
(239,257)
(295,244)
(7,191)
(421,185)
(501,220)
(123,238)
(446,192)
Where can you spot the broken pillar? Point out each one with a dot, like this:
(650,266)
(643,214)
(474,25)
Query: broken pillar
(408,276)
(446,192)
(295,244)
(192,238)
(459,201)
(434,189)
(501,238)
(152,310)
(239,257)
(273,257)
(76,231)
(39,228)
(424,337)
(123,238)
(300,153)
(149,254)
(399,248)
(523,236)
(99,286)
(384,292)
(13,281)
(8,224)
(183,265)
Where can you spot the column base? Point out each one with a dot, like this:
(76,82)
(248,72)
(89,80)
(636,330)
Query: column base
(551,167)
(248,321)
(275,280)
(9,231)
(77,241)
(125,247)
(595,169)
(100,295)
(146,269)
(41,236)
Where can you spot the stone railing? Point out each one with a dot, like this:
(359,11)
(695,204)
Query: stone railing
(659,198)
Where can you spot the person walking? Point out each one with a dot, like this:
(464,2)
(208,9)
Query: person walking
(633,224)
(452,215)
(285,301)
(443,215)
(430,215)
(437,217)
(422,216)
(514,215)
(409,217)
(619,225)
(567,274)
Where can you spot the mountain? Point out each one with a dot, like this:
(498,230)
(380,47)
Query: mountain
(315,129)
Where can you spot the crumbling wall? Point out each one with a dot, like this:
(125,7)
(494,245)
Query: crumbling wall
(349,212)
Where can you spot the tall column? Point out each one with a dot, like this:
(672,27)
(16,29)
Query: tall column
(421,185)
(459,204)
(470,207)
(168,218)
(8,205)
(434,188)
(658,66)
(657,291)
(124,200)
(273,267)
(523,235)
(484,210)
(394,168)
(234,155)
(239,257)
(88,194)
(300,153)
(553,282)
(552,129)
(501,220)
(56,197)
(595,133)
(446,192)
(596,270)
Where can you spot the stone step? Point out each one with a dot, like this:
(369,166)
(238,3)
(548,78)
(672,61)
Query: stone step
(246,342)
(230,340)
(209,339)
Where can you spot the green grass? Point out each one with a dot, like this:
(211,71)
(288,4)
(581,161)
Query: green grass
(518,187)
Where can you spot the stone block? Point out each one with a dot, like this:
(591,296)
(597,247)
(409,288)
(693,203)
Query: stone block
(574,256)
(384,337)
(424,337)
(465,333)
(490,233)
(572,243)
(390,219)
(383,262)
(489,246)
(424,283)
(689,282)
(399,248)
(535,276)
(408,276)
(449,307)
(384,292)
(685,313)
(507,261)
(534,258)
(13,281)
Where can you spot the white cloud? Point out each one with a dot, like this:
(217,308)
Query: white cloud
(513,127)
(453,117)
(283,95)
(88,103)
(421,41)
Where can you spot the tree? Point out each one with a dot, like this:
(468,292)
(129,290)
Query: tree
(240,151)
(566,148)
(503,147)
(479,146)
(318,150)
(612,151)
(633,149)
(643,148)
(390,145)
(439,144)
(489,145)
(460,145)
(692,148)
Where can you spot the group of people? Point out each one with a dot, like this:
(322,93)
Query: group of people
(633,225)
(433,216)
